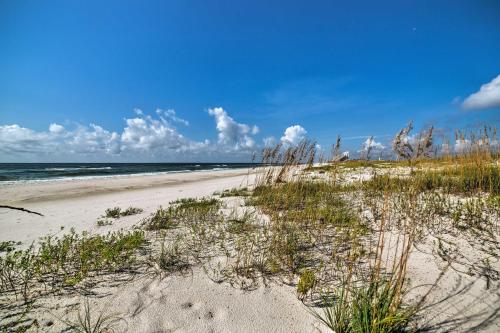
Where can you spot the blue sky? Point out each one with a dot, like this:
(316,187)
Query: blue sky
(354,68)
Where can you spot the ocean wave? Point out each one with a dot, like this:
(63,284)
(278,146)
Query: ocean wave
(218,169)
(69,173)
(76,169)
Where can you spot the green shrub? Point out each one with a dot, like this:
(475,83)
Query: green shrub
(161,219)
(101,222)
(117,212)
(113,212)
(131,211)
(8,246)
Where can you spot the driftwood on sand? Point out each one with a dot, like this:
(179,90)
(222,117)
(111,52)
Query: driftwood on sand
(21,209)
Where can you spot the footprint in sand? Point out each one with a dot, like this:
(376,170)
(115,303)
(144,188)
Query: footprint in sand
(209,315)
(187,305)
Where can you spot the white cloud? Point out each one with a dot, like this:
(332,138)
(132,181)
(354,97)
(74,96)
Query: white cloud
(145,134)
(488,96)
(14,138)
(231,133)
(293,135)
(91,140)
(56,128)
(143,138)
(170,114)
(371,144)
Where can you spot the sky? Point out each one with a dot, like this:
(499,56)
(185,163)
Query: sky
(200,81)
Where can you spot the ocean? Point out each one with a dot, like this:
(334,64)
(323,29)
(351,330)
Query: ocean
(15,172)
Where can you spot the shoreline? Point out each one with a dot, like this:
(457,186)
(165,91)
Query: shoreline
(77,204)
(53,189)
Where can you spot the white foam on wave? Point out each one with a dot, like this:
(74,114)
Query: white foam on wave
(76,169)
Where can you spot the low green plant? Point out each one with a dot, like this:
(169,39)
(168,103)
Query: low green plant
(239,224)
(368,306)
(114,212)
(117,212)
(170,258)
(187,210)
(87,323)
(101,222)
(236,192)
(161,219)
(131,211)
(68,260)
(191,205)
(307,280)
(8,246)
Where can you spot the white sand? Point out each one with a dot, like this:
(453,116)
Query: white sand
(190,303)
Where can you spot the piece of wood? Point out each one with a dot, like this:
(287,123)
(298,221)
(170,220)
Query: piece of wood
(21,209)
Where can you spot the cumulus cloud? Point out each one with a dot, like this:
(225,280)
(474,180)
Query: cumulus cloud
(231,133)
(293,135)
(370,143)
(90,140)
(488,96)
(143,138)
(146,134)
(15,139)
(171,115)
(56,128)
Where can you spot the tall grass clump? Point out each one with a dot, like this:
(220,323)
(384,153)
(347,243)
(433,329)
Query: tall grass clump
(371,299)
(281,163)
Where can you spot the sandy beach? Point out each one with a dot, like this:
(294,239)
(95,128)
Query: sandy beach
(78,203)
(181,303)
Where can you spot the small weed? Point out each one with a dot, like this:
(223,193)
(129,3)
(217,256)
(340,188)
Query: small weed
(236,192)
(131,211)
(101,222)
(307,280)
(161,219)
(86,323)
(114,212)
(171,258)
(8,246)
(117,212)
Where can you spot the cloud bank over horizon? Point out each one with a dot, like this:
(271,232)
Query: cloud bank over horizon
(157,138)
(143,138)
